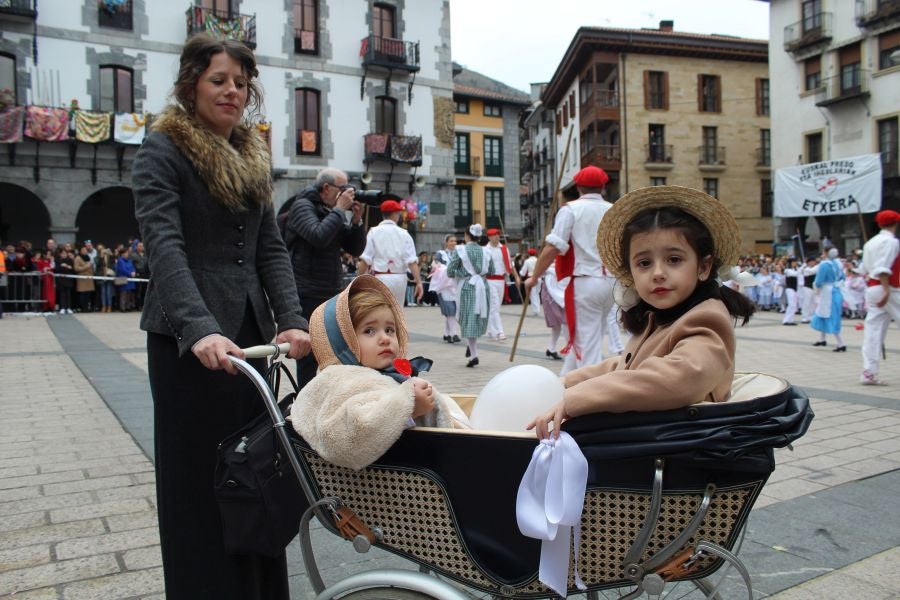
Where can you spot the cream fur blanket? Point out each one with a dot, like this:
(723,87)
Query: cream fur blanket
(351,415)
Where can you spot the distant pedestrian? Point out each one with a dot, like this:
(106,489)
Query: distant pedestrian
(830,304)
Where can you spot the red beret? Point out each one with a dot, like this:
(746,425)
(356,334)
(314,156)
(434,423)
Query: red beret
(389,206)
(886,218)
(532,251)
(493,231)
(591,177)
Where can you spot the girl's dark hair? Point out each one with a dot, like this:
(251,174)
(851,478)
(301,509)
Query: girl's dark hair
(195,59)
(701,241)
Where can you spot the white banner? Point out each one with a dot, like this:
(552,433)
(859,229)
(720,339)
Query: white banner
(832,187)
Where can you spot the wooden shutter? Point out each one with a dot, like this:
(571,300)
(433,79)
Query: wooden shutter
(813,65)
(647,89)
(572,105)
(665,89)
(718,82)
(849,54)
(700,93)
(889,40)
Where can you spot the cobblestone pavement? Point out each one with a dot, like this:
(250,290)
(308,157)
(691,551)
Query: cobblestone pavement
(77,507)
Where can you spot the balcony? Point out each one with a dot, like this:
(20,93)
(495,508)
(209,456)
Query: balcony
(472,168)
(658,157)
(840,88)
(393,148)
(763,159)
(115,16)
(18,10)
(597,96)
(389,53)
(222,25)
(812,30)
(711,158)
(604,156)
(874,13)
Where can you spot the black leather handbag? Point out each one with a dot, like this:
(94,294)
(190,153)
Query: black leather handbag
(260,500)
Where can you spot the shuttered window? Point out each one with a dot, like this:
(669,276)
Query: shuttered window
(656,90)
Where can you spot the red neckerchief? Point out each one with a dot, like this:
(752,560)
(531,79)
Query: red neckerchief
(565,267)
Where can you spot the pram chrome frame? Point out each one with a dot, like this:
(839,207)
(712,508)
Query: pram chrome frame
(647,565)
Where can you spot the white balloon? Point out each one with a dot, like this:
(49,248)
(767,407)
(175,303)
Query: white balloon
(514,397)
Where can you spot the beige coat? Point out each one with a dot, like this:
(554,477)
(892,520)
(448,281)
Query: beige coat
(685,362)
(84,267)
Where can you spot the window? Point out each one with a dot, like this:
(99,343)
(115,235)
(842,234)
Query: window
(116,89)
(888,44)
(656,90)
(812,15)
(115,14)
(709,150)
(493,156)
(385,114)
(493,207)
(306,114)
(462,207)
(221,8)
(709,93)
(814,147)
(850,69)
(383,21)
(765,197)
(462,107)
(461,153)
(888,146)
(813,71)
(762,97)
(657,143)
(711,186)
(657,181)
(306,26)
(492,110)
(765,148)
(8,73)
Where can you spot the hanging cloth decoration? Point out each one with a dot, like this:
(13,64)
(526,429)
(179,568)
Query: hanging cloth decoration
(406,149)
(91,127)
(130,128)
(12,121)
(47,124)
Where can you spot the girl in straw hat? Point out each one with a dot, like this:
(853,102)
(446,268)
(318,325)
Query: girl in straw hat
(366,393)
(665,245)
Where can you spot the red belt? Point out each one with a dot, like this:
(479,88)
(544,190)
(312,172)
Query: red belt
(873,282)
(496,277)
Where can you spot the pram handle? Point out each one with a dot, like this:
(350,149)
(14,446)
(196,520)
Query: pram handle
(273,350)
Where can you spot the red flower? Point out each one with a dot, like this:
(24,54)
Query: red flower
(403,366)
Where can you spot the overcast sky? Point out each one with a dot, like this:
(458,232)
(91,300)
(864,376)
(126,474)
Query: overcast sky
(519,42)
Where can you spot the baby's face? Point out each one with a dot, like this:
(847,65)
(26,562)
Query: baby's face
(377,336)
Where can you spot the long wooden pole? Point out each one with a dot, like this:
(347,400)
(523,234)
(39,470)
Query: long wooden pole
(554,203)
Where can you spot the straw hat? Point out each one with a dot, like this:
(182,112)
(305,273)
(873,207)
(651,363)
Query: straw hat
(321,347)
(709,211)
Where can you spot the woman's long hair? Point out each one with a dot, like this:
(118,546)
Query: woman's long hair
(195,59)
(701,241)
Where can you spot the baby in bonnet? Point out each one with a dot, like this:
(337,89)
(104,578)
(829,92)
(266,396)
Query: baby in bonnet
(366,392)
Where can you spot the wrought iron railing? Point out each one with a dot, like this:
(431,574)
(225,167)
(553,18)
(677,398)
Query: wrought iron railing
(852,83)
(870,12)
(389,52)
(809,30)
(18,8)
(658,153)
(763,157)
(711,155)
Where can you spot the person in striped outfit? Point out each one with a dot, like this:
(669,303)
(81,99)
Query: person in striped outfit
(471,264)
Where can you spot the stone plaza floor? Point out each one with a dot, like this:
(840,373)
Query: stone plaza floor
(77,496)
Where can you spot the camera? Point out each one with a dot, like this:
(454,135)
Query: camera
(370,197)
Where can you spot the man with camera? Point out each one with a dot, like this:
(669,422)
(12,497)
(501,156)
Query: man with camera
(390,252)
(323,221)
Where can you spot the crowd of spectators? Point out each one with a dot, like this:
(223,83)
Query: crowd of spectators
(68,278)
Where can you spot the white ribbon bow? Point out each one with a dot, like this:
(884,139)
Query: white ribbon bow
(549,506)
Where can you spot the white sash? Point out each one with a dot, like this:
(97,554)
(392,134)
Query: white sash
(549,506)
(476,279)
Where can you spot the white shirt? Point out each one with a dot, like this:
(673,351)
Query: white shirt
(577,222)
(389,248)
(496,253)
(879,254)
(528,266)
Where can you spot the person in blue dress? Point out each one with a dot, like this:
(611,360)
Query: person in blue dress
(827,318)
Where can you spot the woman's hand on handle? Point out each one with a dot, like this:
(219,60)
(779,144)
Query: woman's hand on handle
(213,351)
(541,424)
(299,341)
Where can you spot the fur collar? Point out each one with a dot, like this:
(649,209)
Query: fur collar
(235,171)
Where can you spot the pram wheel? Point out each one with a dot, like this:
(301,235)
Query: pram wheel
(386,593)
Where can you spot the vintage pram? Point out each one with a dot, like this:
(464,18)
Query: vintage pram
(667,499)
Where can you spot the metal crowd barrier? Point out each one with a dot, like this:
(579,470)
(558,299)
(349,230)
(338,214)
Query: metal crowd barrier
(24,292)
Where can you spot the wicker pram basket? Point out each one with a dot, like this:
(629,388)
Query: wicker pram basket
(659,485)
